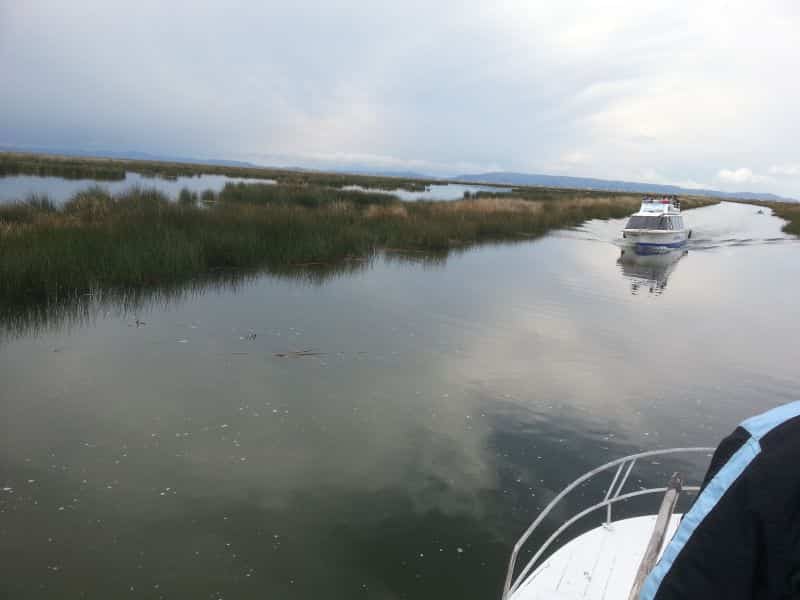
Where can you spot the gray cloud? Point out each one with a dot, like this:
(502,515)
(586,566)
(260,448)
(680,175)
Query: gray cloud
(667,91)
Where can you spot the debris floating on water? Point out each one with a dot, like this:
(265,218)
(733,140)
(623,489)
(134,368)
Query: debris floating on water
(298,354)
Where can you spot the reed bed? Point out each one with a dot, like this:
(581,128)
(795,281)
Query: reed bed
(788,211)
(67,168)
(108,169)
(140,238)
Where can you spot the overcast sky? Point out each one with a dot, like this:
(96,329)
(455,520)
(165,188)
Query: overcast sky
(685,92)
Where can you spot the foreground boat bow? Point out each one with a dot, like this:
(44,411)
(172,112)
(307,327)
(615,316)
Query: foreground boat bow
(608,561)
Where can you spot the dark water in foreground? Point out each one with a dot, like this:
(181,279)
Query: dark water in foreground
(180,459)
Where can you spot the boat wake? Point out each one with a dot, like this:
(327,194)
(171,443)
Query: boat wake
(724,225)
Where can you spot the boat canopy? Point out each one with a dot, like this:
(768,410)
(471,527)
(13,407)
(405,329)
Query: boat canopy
(662,222)
(665,205)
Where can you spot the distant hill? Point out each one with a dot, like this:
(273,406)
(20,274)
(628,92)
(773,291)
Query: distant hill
(398,174)
(588,183)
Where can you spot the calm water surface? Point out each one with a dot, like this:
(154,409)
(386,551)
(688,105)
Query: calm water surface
(442,191)
(18,187)
(183,459)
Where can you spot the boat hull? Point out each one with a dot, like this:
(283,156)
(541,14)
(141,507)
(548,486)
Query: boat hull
(644,240)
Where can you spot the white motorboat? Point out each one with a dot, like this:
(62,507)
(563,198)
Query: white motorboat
(657,226)
(609,561)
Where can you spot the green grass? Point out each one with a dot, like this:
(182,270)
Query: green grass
(307,196)
(139,239)
(41,166)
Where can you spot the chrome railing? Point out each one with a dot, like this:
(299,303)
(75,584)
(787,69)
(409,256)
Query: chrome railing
(613,494)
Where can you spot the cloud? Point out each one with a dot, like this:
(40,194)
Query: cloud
(690,184)
(741,175)
(671,85)
(789,170)
(576,158)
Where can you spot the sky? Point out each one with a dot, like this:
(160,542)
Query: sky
(695,93)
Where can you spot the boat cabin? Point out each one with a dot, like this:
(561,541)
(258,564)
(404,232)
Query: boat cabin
(657,214)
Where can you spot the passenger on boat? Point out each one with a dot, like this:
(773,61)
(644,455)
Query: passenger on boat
(741,538)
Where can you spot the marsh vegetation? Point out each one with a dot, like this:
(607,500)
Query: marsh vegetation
(140,238)
(109,169)
(790,212)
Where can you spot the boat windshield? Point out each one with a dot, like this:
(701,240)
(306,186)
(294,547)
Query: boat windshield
(649,222)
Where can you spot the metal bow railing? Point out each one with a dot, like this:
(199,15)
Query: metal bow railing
(613,495)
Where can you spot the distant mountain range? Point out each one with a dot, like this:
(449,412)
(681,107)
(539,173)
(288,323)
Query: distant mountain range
(384,173)
(588,183)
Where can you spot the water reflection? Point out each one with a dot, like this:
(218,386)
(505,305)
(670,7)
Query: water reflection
(649,270)
(84,309)
(18,187)
(440,191)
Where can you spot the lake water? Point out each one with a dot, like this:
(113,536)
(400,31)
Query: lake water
(182,458)
(18,187)
(436,191)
